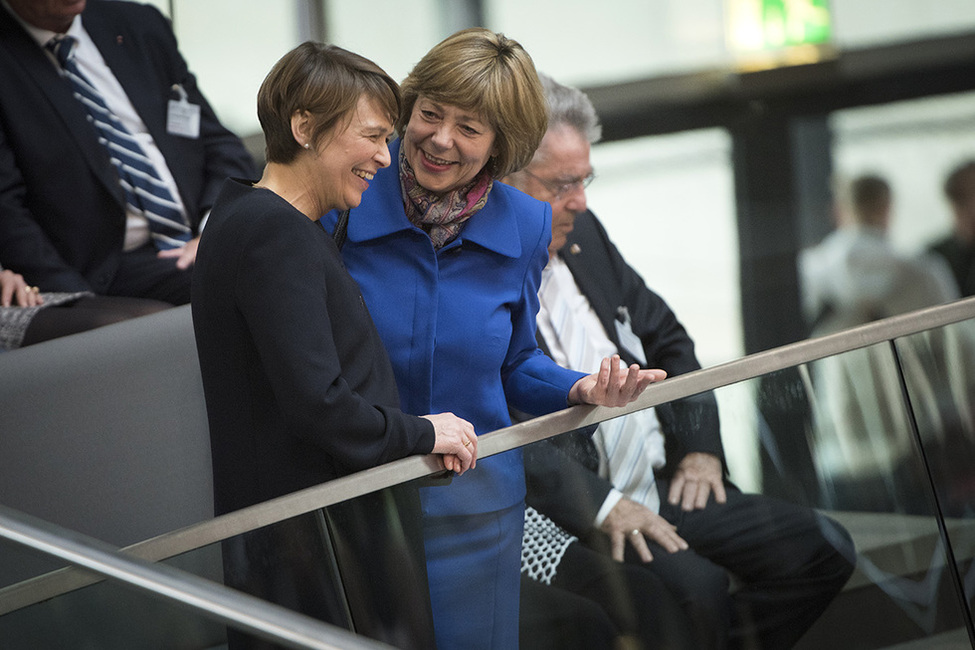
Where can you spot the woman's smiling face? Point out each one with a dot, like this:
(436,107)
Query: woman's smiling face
(445,145)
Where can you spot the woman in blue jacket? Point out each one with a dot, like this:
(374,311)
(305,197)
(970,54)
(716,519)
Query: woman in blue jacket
(449,263)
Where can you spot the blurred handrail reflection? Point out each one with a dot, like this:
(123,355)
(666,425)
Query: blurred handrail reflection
(165,546)
(266,620)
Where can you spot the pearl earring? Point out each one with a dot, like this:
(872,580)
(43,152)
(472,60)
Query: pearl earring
(307,146)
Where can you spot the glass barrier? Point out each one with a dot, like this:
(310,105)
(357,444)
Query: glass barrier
(874,445)
(838,436)
(318,564)
(868,468)
(109,615)
(939,369)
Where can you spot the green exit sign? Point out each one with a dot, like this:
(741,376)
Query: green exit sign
(756,25)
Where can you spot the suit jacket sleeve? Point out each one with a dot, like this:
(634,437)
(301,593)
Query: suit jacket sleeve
(62,213)
(690,424)
(294,331)
(24,246)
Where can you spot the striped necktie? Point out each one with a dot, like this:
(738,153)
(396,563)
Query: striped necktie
(145,192)
(632,445)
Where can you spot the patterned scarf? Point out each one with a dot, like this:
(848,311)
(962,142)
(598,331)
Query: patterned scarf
(442,216)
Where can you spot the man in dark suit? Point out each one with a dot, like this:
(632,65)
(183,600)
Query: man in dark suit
(958,248)
(686,522)
(66,223)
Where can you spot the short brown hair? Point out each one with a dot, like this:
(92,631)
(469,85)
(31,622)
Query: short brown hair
(870,197)
(960,183)
(325,80)
(487,73)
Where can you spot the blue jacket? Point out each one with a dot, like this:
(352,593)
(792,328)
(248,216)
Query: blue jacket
(459,323)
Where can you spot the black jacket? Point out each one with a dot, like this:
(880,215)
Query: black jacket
(62,211)
(562,472)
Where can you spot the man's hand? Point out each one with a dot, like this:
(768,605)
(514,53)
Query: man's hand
(697,475)
(185,256)
(630,521)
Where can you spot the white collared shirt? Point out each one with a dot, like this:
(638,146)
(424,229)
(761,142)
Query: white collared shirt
(559,284)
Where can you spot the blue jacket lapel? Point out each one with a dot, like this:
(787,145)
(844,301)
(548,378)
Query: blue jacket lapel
(381,214)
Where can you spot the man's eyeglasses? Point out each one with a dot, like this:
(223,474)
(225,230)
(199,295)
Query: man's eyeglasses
(559,189)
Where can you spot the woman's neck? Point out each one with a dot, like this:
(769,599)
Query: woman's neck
(293,183)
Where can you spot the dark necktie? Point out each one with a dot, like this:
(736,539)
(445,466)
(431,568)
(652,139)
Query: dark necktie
(145,192)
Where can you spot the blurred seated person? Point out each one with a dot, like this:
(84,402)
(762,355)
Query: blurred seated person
(854,276)
(650,489)
(27,316)
(79,80)
(958,248)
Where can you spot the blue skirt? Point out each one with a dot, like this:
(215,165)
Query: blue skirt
(474,569)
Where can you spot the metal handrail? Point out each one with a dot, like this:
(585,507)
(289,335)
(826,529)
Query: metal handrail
(261,618)
(165,546)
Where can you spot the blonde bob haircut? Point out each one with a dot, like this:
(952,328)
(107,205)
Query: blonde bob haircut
(488,74)
(327,82)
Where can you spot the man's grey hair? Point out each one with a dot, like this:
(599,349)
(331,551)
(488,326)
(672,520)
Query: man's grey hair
(571,107)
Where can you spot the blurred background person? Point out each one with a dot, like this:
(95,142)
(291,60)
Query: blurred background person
(854,276)
(863,444)
(958,248)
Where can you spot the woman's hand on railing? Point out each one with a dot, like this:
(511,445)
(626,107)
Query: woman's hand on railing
(456,441)
(611,386)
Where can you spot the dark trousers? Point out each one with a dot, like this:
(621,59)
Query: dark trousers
(788,562)
(142,274)
(641,608)
(550,618)
(85,314)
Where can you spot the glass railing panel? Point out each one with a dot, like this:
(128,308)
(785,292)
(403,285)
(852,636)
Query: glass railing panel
(862,438)
(17,564)
(939,374)
(111,616)
(358,565)
(836,435)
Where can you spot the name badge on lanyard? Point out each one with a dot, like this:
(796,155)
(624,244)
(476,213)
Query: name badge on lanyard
(183,118)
